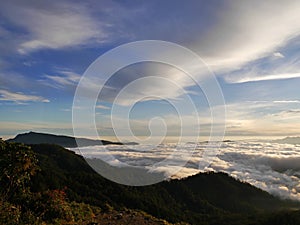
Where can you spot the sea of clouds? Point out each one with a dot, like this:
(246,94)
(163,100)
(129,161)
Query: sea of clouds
(272,167)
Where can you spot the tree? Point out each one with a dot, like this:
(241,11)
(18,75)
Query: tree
(18,164)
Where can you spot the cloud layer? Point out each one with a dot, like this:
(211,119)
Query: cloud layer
(269,166)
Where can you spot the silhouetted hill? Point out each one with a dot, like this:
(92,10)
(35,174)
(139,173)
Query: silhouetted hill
(206,198)
(65,141)
(19,205)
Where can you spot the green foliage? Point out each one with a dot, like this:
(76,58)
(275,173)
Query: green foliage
(9,214)
(17,165)
(56,205)
(19,205)
(82,212)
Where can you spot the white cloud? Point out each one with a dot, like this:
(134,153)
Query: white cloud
(246,41)
(272,167)
(65,78)
(278,55)
(249,30)
(286,101)
(266,69)
(53,24)
(102,107)
(20,97)
(252,77)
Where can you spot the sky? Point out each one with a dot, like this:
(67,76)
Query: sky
(252,48)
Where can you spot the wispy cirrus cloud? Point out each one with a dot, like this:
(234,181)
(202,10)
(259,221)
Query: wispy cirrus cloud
(252,78)
(278,55)
(102,107)
(270,67)
(63,79)
(286,101)
(245,33)
(18,97)
(53,25)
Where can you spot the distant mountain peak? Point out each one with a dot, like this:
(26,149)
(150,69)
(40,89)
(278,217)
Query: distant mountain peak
(288,140)
(66,141)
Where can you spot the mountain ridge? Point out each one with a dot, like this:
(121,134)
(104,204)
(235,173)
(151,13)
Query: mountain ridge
(62,140)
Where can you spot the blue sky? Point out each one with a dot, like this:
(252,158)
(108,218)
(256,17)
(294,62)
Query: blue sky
(252,47)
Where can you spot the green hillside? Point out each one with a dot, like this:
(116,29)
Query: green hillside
(206,198)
